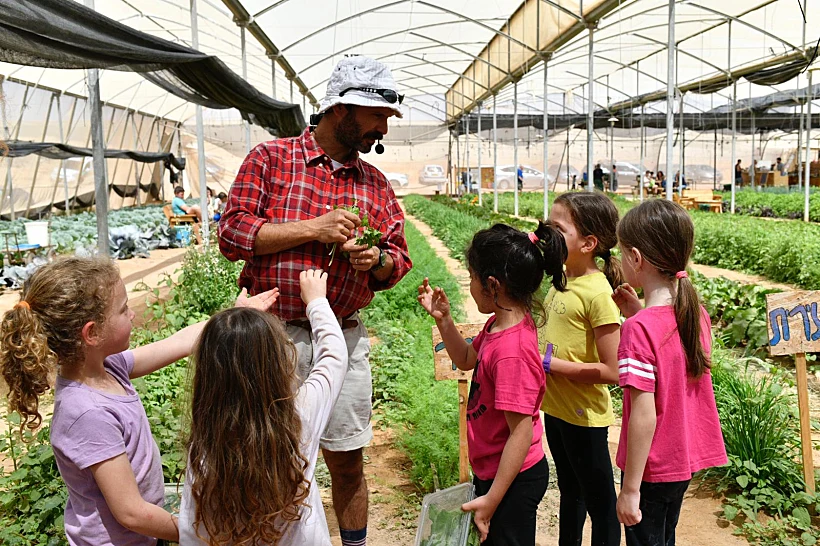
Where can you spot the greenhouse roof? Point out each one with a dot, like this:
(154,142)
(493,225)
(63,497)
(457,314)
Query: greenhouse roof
(469,50)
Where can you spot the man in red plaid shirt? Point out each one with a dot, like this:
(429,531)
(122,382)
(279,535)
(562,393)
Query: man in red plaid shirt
(282,217)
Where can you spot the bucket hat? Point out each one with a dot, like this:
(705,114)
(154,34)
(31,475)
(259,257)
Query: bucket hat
(364,82)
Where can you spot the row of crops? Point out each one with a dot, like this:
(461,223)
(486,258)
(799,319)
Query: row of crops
(756,400)
(786,252)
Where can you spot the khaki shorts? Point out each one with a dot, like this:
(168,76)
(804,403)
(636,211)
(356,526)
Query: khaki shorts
(349,426)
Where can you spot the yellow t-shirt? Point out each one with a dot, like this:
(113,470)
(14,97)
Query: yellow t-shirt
(571,317)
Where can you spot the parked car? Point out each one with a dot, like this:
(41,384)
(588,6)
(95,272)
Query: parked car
(506,177)
(433,175)
(700,174)
(561,172)
(395,179)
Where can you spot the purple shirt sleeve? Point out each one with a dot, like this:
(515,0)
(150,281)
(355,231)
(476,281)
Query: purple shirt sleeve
(95,437)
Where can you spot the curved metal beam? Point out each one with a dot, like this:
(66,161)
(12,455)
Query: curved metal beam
(467,53)
(462,17)
(561,8)
(382,37)
(742,22)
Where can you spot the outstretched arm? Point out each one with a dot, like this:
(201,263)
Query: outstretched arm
(435,302)
(150,358)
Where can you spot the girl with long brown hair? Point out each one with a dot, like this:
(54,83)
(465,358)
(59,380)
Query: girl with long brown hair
(670,420)
(580,340)
(73,317)
(254,436)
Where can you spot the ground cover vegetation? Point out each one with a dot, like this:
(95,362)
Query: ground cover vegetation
(425,412)
(763,483)
(785,252)
(770,204)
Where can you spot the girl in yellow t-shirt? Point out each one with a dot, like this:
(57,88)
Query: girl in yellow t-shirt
(580,339)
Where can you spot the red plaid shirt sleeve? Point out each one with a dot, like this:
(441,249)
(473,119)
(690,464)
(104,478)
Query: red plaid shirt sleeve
(393,243)
(244,213)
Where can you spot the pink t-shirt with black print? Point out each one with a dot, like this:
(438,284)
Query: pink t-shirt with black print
(687,434)
(508,376)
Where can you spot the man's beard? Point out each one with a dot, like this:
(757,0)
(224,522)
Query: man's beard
(348,132)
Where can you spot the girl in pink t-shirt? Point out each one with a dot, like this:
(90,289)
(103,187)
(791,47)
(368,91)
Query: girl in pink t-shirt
(670,420)
(504,425)
(73,318)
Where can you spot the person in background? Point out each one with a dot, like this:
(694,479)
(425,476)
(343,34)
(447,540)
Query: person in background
(613,185)
(179,206)
(670,421)
(520,177)
(738,174)
(219,205)
(598,177)
(780,167)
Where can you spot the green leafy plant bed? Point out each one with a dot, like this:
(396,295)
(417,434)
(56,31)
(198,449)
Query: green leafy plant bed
(763,480)
(531,204)
(774,205)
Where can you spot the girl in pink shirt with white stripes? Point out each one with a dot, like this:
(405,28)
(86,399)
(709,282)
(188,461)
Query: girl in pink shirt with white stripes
(670,420)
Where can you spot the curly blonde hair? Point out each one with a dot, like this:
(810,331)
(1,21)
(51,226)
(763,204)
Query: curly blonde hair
(244,449)
(44,329)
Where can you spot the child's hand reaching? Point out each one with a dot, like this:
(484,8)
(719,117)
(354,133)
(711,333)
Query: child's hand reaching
(483,511)
(434,301)
(627,300)
(314,284)
(262,301)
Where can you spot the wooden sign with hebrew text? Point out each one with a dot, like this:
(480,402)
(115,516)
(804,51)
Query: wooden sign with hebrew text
(445,369)
(793,319)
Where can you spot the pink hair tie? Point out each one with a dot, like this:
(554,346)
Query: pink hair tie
(681,275)
(533,237)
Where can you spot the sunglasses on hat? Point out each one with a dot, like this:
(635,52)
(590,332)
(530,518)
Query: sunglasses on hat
(387,94)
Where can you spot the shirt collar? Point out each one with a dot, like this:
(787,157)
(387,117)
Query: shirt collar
(315,154)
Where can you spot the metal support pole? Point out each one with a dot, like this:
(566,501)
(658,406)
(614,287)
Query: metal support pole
(546,148)
(807,177)
(200,137)
(681,142)
(754,155)
(515,145)
(714,172)
(273,75)
(98,143)
(643,170)
(800,138)
(670,98)
(467,182)
(244,77)
(478,134)
(291,91)
(63,140)
(590,111)
(734,123)
(495,156)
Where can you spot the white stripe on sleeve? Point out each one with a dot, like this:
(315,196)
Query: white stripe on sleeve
(641,369)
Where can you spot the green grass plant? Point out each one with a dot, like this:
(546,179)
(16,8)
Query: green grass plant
(404,387)
(774,205)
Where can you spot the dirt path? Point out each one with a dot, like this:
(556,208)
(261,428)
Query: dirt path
(699,523)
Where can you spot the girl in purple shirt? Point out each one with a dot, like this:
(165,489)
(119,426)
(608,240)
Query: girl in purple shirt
(504,426)
(670,419)
(73,315)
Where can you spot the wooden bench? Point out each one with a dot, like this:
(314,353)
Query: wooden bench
(182,220)
(693,199)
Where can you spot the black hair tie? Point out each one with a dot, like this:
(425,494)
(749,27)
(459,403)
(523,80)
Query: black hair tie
(606,255)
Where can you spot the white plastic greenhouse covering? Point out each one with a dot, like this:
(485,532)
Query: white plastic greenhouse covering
(450,57)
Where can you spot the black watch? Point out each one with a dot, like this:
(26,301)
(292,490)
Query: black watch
(382,260)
